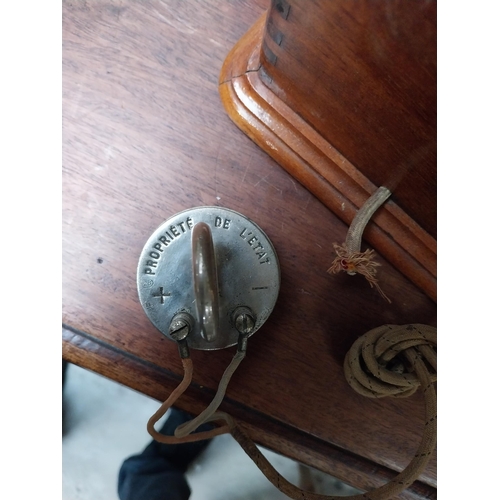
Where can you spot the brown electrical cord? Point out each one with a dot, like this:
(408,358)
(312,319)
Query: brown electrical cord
(189,427)
(350,258)
(390,360)
(187,364)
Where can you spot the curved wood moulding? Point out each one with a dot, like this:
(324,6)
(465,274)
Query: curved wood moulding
(316,164)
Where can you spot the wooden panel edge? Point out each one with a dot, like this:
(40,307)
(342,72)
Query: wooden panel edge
(392,232)
(83,350)
(238,62)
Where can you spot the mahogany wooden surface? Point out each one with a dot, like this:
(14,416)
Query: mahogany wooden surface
(364,75)
(315,163)
(145,136)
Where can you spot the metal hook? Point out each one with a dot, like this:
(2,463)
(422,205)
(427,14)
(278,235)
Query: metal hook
(206,289)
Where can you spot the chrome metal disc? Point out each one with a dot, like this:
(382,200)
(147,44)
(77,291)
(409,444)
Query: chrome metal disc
(247,274)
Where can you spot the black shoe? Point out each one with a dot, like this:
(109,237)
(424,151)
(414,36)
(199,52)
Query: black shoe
(179,455)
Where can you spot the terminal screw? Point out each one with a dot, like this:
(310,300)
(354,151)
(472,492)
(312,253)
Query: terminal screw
(244,320)
(181,325)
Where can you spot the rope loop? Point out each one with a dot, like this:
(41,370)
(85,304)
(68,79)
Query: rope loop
(381,362)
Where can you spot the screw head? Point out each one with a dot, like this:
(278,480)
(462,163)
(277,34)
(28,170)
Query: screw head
(244,320)
(180,326)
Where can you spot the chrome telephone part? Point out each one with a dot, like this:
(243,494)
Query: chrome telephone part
(207,275)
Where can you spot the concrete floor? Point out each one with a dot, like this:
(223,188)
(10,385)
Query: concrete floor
(105,422)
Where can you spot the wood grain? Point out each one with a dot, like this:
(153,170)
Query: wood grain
(145,136)
(252,82)
(317,165)
(363,74)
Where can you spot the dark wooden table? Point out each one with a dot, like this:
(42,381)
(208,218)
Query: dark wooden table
(144,137)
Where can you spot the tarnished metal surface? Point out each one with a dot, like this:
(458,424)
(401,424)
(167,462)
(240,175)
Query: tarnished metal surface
(246,274)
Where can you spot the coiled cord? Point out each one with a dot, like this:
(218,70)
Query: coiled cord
(390,360)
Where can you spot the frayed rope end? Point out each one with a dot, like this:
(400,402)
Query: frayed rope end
(357,263)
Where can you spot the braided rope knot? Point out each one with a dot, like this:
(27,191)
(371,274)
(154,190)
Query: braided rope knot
(381,362)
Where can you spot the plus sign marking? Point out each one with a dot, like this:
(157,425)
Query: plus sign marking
(161,295)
